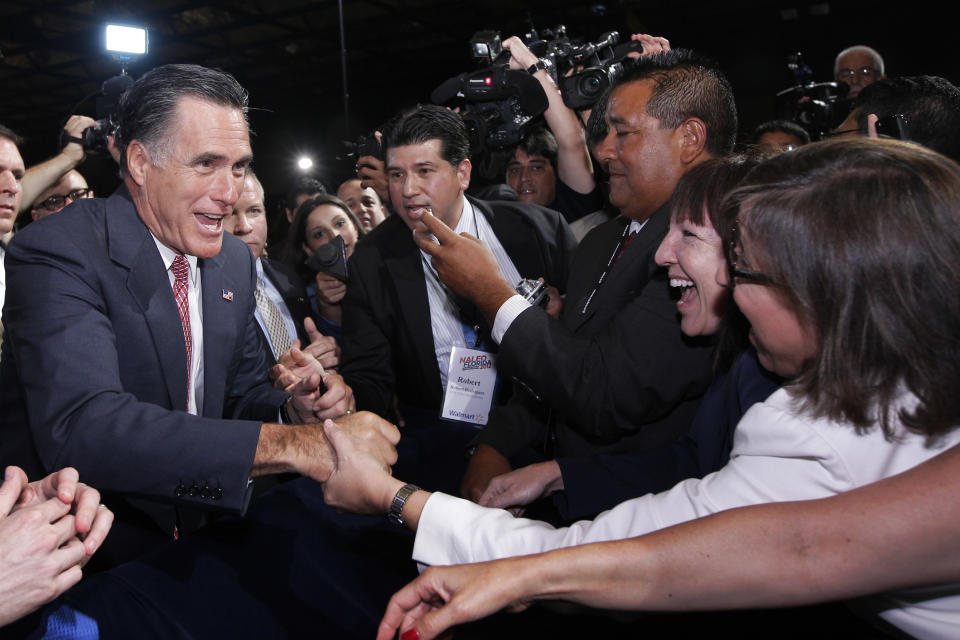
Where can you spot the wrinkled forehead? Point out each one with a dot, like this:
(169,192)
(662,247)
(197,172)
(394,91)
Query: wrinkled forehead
(856,60)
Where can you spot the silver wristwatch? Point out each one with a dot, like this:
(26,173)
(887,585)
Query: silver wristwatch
(396,507)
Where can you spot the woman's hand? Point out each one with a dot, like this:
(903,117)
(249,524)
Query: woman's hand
(444,597)
(330,290)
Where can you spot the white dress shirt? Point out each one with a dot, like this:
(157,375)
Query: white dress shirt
(195,395)
(444,318)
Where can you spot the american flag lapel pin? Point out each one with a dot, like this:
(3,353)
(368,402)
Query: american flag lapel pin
(227,295)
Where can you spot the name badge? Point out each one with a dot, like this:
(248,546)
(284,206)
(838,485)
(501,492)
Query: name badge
(471,378)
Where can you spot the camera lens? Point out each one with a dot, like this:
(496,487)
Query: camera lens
(590,85)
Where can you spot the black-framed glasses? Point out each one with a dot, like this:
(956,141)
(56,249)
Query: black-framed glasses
(53,203)
(739,273)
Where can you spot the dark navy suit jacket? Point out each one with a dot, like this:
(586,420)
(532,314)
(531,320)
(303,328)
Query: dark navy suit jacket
(93,371)
(596,483)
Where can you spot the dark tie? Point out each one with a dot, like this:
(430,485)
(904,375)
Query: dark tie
(181,270)
(626,243)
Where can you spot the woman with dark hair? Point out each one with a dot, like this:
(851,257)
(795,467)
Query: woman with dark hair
(318,221)
(845,258)
(692,252)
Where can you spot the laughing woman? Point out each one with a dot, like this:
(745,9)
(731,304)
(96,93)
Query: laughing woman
(692,252)
(846,262)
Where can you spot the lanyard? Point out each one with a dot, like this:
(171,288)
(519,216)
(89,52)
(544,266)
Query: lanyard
(614,256)
(471,327)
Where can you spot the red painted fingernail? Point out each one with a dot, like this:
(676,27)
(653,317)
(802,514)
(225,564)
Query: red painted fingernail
(410,634)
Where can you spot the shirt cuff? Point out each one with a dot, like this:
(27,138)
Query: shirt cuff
(506,314)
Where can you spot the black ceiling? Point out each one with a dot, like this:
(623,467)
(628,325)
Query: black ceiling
(287,53)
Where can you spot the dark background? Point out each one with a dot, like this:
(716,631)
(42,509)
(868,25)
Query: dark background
(287,53)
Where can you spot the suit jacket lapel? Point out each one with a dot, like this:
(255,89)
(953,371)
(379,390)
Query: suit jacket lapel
(635,263)
(219,329)
(515,234)
(130,244)
(613,232)
(404,264)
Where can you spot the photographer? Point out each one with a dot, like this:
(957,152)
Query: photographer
(555,170)
(41,177)
(318,221)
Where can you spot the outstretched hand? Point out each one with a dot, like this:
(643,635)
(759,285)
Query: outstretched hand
(522,486)
(361,481)
(443,597)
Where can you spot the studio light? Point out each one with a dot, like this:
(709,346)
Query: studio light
(126,41)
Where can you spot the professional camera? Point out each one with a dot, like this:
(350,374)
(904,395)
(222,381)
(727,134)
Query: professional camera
(818,107)
(94,139)
(599,66)
(365,145)
(496,103)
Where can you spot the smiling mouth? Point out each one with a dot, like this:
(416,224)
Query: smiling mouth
(210,222)
(688,291)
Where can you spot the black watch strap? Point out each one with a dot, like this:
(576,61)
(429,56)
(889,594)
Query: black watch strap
(542,63)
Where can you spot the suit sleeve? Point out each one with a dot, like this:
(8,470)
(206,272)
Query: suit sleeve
(64,344)
(634,371)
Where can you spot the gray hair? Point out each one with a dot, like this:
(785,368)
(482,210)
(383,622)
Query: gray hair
(859,48)
(146,109)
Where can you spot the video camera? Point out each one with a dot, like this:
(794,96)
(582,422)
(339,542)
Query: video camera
(94,139)
(498,103)
(818,107)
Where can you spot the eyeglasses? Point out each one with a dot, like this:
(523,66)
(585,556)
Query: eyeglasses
(53,203)
(738,273)
(863,72)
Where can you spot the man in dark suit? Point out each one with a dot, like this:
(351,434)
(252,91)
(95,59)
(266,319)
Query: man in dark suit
(282,311)
(130,350)
(615,373)
(400,325)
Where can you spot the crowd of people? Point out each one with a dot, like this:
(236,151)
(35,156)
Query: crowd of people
(654,370)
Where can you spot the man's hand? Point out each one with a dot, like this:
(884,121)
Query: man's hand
(361,480)
(330,290)
(521,58)
(485,465)
(554,300)
(523,486)
(373,173)
(318,397)
(75,127)
(466,265)
(324,348)
(651,45)
(443,597)
(293,366)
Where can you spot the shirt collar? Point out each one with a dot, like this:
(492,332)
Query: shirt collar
(169,255)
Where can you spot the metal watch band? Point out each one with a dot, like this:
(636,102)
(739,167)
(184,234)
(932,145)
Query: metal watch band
(400,499)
